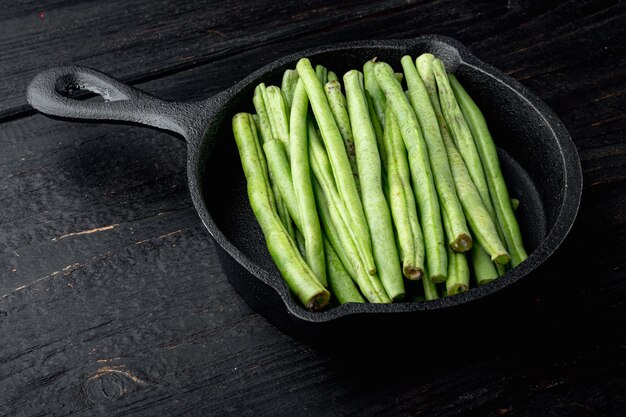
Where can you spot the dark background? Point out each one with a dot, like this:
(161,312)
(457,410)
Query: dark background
(111,300)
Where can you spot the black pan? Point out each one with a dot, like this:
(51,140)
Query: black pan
(539,161)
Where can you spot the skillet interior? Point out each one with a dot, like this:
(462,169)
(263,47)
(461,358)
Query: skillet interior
(532,161)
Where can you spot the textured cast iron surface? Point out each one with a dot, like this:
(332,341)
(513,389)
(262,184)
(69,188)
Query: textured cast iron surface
(539,161)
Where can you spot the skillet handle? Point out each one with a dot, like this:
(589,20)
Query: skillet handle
(49,92)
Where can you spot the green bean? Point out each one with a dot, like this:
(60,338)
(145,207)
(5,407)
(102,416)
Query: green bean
(460,131)
(266,177)
(337,233)
(322,74)
(281,246)
(275,198)
(458,270)
(262,122)
(301,179)
(452,270)
(399,76)
(430,288)
(374,90)
(341,284)
(361,80)
(321,168)
(458,282)
(424,67)
(465,143)
(337,155)
(458,233)
(277,162)
(402,201)
(424,187)
(497,186)
(283,214)
(484,270)
(277,112)
(374,202)
(290,78)
(261,109)
(255,119)
(479,219)
(300,243)
(380,134)
(333,77)
(340,113)
(514,204)
(280,169)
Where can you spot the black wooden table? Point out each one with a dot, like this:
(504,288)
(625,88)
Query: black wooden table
(112,302)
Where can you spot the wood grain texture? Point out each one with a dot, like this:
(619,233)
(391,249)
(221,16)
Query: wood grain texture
(111,301)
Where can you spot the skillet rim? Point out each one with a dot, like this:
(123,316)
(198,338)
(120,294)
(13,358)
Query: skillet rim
(564,221)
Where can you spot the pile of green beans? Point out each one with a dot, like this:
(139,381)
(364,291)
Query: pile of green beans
(360,183)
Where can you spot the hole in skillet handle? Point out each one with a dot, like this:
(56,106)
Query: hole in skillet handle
(68,88)
(522,127)
(71,87)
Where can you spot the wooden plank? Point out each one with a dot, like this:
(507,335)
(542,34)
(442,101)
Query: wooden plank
(121,36)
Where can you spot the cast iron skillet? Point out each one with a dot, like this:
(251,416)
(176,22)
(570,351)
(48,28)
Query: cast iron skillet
(539,161)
